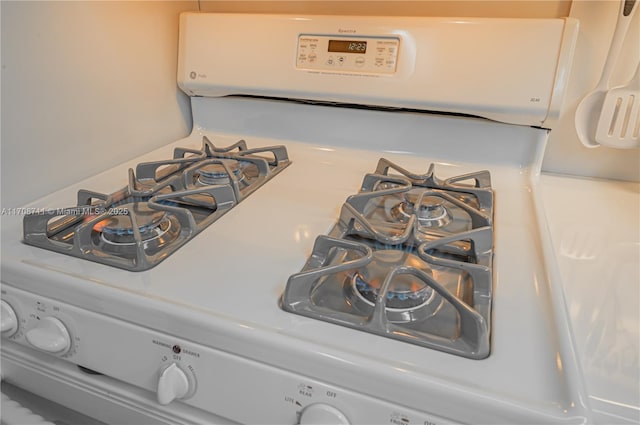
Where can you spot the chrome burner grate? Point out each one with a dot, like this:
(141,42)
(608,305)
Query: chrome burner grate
(164,205)
(410,259)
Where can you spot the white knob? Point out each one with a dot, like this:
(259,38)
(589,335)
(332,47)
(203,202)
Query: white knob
(173,384)
(50,335)
(322,414)
(9,320)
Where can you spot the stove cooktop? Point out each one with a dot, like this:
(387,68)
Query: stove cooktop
(204,283)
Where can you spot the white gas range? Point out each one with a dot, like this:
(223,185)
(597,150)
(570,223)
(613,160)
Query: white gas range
(135,331)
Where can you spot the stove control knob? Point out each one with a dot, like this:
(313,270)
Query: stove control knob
(173,384)
(9,320)
(320,413)
(50,335)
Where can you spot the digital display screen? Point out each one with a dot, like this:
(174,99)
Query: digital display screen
(347,46)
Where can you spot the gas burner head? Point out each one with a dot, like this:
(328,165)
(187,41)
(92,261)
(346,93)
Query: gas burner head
(430,213)
(216,174)
(408,298)
(406,293)
(116,233)
(120,225)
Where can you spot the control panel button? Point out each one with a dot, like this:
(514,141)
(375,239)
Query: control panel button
(320,413)
(173,384)
(9,319)
(50,335)
(355,54)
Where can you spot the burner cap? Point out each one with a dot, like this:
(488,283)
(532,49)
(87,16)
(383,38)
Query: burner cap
(118,229)
(406,291)
(408,299)
(431,212)
(216,174)
(114,235)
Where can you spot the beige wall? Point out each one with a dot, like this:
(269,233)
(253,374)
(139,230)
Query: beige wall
(85,86)
(483,8)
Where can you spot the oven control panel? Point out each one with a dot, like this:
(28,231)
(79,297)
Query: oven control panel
(350,54)
(177,372)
